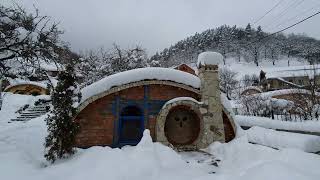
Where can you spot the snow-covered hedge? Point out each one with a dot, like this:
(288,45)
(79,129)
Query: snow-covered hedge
(309,126)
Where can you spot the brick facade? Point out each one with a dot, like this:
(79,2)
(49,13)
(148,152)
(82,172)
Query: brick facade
(99,119)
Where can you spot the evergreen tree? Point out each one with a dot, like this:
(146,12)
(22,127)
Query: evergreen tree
(61,128)
(248,43)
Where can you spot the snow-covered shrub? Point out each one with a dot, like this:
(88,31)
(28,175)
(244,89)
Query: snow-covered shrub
(264,106)
(281,105)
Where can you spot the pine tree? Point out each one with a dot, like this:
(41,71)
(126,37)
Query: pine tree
(61,128)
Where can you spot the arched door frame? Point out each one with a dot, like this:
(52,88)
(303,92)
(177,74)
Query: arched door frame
(125,118)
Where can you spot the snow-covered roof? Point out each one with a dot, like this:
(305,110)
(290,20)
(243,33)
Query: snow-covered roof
(135,75)
(51,66)
(252,88)
(284,92)
(17,82)
(209,58)
(287,82)
(293,71)
(193,66)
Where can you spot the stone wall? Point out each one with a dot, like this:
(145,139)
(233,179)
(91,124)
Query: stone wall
(227,124)
(210,97)
(191,105)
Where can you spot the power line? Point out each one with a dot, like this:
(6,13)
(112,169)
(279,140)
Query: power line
(275,6)
(295,4)
(300,14)
(288,27)
(296,23)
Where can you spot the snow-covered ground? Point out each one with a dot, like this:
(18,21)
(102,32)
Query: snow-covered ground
(249,121)
(280,140)
(280,69)
(21,157)
(297,67)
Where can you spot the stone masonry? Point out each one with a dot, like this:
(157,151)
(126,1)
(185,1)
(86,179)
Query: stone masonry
(212,108)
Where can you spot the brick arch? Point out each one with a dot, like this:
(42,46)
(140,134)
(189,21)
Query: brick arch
(135,84)
(190,104)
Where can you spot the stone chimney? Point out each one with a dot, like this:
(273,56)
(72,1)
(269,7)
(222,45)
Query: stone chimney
(210,96)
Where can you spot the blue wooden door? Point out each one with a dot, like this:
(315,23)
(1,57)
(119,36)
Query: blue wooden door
(131,126)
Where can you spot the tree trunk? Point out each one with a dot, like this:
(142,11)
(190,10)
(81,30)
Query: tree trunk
(239,55)
(0,94)
(256,61)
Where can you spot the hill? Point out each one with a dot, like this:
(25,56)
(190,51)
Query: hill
(244,44)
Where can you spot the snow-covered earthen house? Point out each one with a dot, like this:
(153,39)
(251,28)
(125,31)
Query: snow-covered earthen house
(36,83)
(28,88)
(179,108)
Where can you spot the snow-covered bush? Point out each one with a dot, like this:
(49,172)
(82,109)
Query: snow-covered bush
(258,105)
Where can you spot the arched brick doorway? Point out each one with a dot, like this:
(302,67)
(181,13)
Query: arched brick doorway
(182,126)
(131,125)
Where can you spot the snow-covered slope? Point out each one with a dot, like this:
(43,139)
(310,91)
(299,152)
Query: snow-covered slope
(280,69)
(13,102)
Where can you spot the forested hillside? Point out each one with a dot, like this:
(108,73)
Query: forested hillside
(249,44)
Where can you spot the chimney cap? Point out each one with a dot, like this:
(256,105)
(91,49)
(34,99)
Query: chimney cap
(209,58)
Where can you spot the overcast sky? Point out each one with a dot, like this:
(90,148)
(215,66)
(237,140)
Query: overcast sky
(157,24)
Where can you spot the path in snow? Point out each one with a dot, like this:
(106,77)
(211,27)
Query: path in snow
(201,159)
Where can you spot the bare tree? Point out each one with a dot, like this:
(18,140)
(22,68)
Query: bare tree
(228,81)
(249,80)
(26,38)
(94,65)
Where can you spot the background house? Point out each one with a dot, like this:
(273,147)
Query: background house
(293,77)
